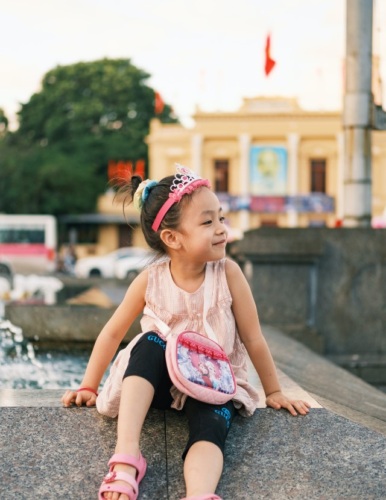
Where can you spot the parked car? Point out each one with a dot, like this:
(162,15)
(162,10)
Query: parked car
(130,267)
(104,265)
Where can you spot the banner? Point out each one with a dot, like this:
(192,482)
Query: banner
(268,170)
(312,203)
(268,204)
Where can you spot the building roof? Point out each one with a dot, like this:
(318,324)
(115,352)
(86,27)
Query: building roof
(99,219)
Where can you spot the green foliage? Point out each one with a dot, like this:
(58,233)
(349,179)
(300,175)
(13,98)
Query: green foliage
(85,115)
(3,121)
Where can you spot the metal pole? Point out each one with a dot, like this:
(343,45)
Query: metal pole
(357,114)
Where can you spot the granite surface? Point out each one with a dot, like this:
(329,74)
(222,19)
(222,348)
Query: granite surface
(51,452)
(61,453)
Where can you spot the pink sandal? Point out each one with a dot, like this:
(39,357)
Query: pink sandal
(121,458)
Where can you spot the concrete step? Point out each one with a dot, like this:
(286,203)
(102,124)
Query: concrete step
(58,453)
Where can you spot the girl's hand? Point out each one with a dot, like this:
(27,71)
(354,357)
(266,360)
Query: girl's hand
(79,398)
(277,400)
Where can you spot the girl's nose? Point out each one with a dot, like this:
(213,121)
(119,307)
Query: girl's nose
(221,228)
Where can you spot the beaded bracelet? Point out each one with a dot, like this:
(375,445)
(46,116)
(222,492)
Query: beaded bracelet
(87,389)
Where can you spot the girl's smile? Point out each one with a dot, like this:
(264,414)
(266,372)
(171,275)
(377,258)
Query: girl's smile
(203,233)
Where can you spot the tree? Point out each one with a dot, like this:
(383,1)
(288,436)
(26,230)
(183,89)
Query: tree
(85,115)
(3,121)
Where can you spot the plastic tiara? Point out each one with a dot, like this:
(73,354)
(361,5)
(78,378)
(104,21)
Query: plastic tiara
(185,182)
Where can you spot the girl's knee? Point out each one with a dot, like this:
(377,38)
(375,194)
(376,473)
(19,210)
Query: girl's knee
(209,423)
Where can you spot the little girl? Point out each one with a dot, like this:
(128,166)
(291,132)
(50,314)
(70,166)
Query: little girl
(183,222)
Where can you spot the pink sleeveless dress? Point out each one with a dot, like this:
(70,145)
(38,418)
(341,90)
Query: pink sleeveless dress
(171,310)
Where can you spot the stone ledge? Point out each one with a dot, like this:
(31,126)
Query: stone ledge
(329,384)
(62,453)
(50,398)
(54,452)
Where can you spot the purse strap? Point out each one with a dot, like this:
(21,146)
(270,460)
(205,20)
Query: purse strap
(208,291)
(161,326)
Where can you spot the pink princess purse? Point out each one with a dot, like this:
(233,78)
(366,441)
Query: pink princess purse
(199,368)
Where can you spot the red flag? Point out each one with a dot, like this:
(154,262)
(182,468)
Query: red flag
(158,103)
(269,62)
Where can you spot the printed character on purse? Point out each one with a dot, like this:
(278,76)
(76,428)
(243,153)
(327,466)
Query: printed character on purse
(199,322)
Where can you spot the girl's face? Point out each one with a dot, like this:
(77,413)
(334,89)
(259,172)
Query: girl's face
(202,230)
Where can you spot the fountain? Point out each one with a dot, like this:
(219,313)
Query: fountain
(23,364)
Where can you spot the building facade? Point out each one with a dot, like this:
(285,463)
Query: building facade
(270,162)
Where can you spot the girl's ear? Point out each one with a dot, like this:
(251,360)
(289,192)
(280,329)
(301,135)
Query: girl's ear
(170,238)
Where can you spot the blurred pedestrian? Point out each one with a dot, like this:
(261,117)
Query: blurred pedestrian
(69,260)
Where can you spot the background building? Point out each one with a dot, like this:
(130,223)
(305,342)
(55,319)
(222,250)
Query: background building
(271,162)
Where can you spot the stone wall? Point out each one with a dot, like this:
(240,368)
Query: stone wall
(325,287)
(62,324)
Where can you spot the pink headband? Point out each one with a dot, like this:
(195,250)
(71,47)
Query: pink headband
(185,182)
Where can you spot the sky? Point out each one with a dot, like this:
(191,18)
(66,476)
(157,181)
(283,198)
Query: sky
(199,53)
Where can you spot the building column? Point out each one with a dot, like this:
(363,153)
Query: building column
(197,153)
(293,174)
(245,146)
(339,205)
(357,121)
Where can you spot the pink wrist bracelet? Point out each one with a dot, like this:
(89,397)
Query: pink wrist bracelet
(87,389)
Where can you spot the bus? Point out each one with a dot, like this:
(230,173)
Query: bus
(28,243)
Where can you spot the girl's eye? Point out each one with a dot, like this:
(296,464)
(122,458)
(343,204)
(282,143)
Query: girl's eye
(207,222)
(222,219)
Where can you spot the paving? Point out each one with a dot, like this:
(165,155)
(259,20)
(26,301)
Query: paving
(51,452)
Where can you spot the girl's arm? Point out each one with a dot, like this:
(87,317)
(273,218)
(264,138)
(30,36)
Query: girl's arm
(108,342)
(248,326)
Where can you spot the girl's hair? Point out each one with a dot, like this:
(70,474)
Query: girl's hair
(150,208)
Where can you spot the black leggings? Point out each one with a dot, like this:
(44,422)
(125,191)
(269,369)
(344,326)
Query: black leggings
(207,422)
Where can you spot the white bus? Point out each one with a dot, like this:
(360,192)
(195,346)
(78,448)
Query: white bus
(28,243)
